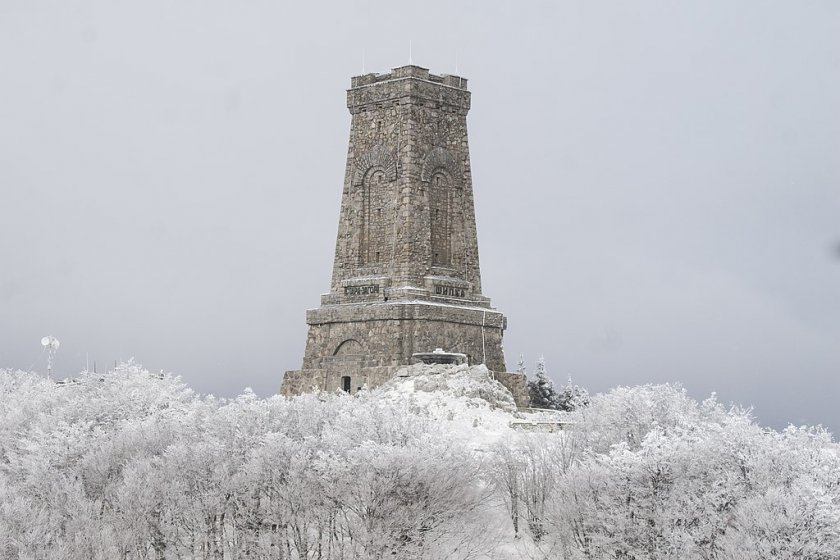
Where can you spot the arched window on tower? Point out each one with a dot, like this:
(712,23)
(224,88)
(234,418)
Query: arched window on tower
(371,217)
(440,209)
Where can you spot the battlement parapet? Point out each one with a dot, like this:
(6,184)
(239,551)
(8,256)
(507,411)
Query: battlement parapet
(408,85)
(410,71)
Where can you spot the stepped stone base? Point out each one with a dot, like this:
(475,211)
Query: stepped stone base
(350,346)
(363,335)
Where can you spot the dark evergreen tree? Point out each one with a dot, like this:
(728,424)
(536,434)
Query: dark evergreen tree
(543,394)
(541,389)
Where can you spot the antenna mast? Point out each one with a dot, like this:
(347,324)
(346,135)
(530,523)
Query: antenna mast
(50,344)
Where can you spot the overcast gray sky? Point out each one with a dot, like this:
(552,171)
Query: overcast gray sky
(657,184)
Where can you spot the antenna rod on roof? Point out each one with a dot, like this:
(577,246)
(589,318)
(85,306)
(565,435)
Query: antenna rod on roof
(409,52)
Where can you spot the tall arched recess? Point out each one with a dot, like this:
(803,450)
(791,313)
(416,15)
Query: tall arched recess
(440,219)
(443,176)
(373,182)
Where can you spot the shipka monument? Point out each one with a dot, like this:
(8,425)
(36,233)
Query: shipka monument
(406,276)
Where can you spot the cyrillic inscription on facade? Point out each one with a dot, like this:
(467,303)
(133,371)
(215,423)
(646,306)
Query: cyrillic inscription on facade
(361,290)
(450,291)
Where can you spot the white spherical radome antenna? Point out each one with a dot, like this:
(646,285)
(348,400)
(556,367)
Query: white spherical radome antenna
(45,341)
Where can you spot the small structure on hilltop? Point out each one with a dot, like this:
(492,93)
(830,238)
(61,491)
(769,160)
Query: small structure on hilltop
(438,356)
(406,276)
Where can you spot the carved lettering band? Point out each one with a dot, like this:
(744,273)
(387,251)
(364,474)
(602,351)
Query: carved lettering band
(450,291)
(361,290)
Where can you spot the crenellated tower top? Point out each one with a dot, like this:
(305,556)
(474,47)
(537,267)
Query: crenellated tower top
(410,71)
(408,85)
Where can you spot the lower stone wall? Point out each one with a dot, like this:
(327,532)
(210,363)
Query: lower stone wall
(517,384)
(298,382)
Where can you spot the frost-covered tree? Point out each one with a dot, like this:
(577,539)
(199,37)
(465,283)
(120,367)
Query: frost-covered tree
(132,465)
(666,476)
(520,365)
(571,397)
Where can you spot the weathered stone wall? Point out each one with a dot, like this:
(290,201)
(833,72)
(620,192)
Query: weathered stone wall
(407,209)
(517,384)
(308,380)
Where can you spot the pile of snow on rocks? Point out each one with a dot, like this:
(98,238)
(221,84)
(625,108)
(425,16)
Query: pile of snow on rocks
(464,399)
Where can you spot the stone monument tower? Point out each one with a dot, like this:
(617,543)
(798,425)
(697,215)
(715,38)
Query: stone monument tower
(406,277)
